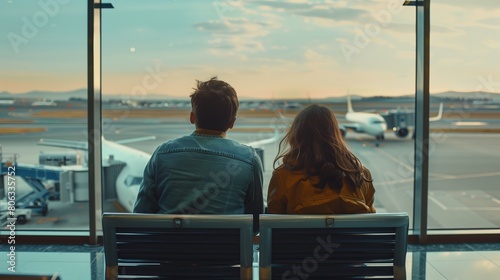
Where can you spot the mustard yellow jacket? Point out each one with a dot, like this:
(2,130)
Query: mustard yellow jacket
(290,193)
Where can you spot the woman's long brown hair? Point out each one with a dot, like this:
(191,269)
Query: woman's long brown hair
(314,145)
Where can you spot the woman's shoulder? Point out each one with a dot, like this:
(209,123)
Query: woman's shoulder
(283,170)
(280,170)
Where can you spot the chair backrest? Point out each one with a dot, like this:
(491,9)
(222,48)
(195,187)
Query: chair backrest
(350,246)
(178,246)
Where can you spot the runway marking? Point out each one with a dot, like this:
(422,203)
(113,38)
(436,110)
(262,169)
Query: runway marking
(473,208)
(443,176)
(383,183)
(444,207)
(467,176)
(495,200)
(396,160)
(438,203)
(469,123)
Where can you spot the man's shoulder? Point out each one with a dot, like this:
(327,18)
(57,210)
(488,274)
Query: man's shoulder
(243,148)
(215,144)
(177,142)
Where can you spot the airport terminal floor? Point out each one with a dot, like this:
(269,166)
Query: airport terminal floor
(423,262)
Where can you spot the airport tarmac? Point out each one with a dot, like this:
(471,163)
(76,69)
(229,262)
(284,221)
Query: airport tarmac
(464,168)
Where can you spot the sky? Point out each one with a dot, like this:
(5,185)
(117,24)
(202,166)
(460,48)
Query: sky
(263,48)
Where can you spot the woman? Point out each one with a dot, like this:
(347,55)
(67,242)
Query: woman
(318,174)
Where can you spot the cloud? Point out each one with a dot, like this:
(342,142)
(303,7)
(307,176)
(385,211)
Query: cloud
(312,55)
(457,17)
(236,37)
(467,4)
(289,6)
(451,61)
(327,10)
(337,14)
(492,44)
(239,26)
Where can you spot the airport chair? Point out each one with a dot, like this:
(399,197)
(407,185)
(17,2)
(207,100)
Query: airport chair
(354,246)
(18,276)
(178,246)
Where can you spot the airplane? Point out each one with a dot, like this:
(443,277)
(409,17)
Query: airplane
(375,124)
(362,122)
(130,177)
(400,126)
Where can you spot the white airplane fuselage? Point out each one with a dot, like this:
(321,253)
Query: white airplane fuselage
(129,179)
(368,123)
(362,122)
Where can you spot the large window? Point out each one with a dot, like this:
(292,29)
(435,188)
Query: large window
(279,56)
(464,192)
(43,101)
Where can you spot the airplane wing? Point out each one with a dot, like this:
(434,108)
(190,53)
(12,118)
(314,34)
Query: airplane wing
(133,140)
(274,138)
(79,145)
(353,126)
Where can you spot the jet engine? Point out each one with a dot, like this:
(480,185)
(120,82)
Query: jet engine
(401,131)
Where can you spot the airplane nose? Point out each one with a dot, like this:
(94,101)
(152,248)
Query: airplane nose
(381,129)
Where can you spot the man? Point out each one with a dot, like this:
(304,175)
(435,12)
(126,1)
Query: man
(204,173)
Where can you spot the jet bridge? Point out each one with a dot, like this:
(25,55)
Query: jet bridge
(37,176)
(53,180)
(34,176)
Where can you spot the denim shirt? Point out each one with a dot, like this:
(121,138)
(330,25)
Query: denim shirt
(202,173)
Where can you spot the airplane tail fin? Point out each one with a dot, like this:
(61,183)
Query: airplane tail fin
(274,138)
(440,114)
(349,104)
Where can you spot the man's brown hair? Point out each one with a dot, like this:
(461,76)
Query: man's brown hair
(214,104)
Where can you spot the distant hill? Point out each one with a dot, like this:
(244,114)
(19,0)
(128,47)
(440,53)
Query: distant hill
(468,95)
(48,95)
(82,94)
(4,94)
(75,94)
